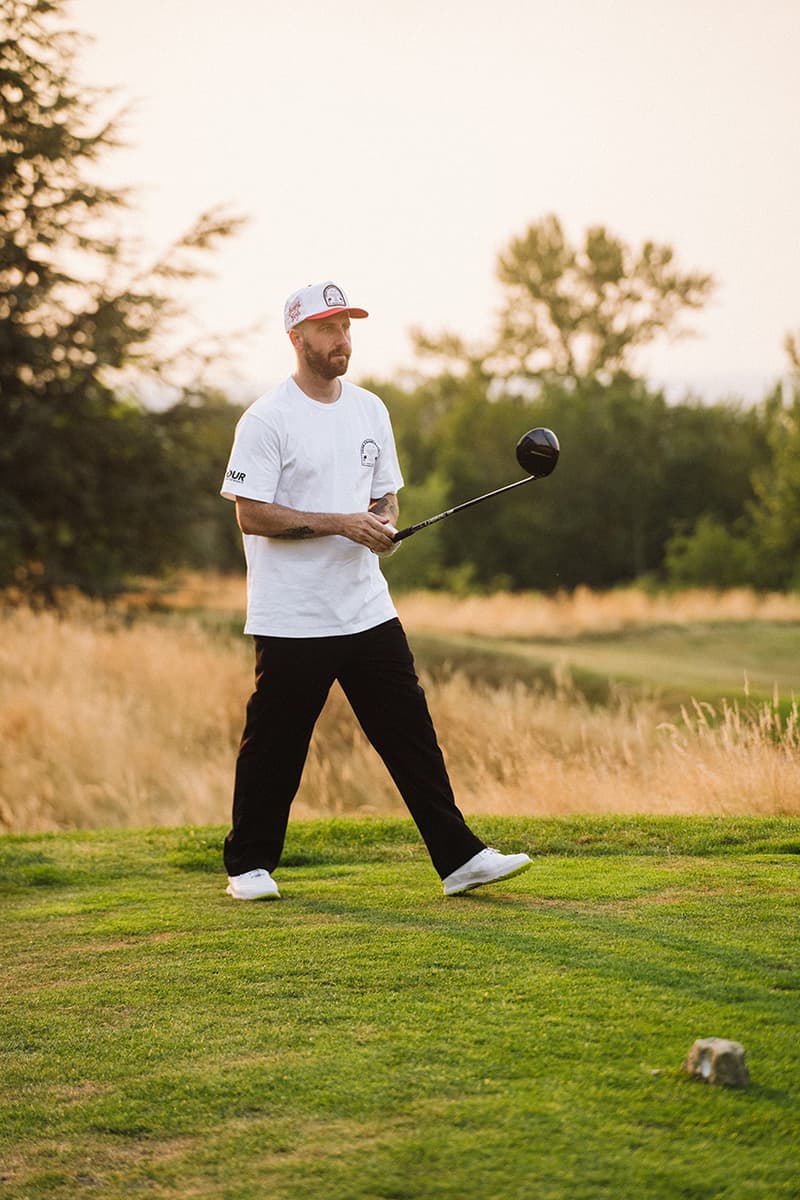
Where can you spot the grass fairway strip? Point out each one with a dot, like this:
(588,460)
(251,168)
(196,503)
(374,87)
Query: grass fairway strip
(740,661)
(367,1039)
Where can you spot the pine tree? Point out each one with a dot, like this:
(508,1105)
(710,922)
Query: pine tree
(81,468)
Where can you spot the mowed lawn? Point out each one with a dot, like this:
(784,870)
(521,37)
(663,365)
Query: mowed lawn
(366,1039)
(705,661)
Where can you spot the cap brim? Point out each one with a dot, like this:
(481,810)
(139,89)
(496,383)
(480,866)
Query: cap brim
(332,312)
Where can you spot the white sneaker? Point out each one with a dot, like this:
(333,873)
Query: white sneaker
(487,866)
(253,885)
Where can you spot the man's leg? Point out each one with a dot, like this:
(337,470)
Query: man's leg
(379,680)
(293,677)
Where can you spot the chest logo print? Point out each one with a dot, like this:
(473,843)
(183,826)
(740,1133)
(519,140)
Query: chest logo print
(370,453)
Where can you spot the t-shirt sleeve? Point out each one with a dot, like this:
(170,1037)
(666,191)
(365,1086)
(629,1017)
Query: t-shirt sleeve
(254,466)
(388,476)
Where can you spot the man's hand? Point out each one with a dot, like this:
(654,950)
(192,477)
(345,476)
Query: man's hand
(370,530)
(395,546)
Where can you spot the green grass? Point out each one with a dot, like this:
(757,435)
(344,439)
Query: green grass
(366,1039)
(706,661)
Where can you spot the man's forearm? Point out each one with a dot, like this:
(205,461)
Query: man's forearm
(288,524)
(277,521)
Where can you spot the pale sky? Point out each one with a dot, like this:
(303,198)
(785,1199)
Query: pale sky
(398,148)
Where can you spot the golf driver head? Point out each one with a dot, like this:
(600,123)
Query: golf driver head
(537,452)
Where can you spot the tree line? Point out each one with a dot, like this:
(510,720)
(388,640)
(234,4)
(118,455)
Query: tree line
(96,487)
(645,490)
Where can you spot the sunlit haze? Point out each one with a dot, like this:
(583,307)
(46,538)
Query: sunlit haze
(397,149)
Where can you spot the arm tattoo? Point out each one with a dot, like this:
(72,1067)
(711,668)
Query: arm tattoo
(295,535)
(386,507)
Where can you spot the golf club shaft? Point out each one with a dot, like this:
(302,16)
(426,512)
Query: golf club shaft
(404,533)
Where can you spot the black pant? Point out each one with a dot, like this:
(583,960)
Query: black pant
(376,672)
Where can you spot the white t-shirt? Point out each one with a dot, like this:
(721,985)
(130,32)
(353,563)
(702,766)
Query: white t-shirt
(313,457)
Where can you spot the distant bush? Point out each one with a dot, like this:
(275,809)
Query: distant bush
(711,555)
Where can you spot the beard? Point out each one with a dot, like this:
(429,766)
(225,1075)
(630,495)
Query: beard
(326,366)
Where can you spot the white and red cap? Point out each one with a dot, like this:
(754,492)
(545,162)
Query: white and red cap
(316,301)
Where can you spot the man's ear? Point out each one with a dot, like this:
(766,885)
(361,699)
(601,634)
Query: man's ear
(296,337)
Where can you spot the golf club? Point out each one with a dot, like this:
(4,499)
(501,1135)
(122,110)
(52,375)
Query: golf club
(537,453)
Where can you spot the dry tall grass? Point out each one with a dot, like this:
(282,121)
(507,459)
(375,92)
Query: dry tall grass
(569,614)
(109,722)
(566,614)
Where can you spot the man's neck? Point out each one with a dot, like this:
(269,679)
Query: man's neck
(326,391)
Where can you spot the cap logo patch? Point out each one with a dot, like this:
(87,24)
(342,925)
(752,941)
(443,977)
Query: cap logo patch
(294,310)
(333,297)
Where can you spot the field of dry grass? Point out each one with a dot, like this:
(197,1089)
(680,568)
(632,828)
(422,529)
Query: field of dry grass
(109,719)
(566,614)
(571,614)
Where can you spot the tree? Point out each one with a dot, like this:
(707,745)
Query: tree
(76,455)
(791,345)
(599,519)
(760,544)
(776,513)
(577,313)
(195,435)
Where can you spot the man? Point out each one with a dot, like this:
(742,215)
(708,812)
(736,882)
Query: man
(314,475)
